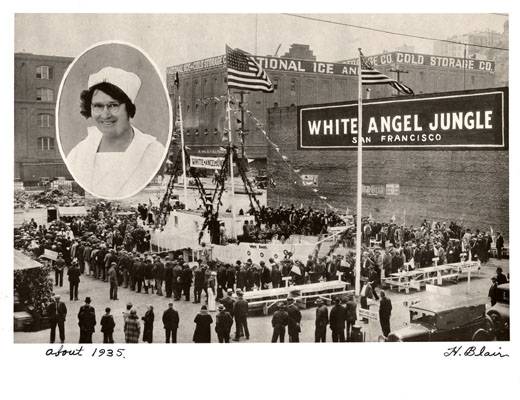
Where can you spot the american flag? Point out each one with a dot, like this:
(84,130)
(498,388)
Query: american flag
(371,76)
(244,73)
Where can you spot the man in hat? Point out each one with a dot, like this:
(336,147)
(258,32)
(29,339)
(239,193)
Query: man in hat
(57,311)
(171,323)
(385,311)
(228,302)
(493,291)
(322,320)
(279,321)
(73,274)
(501,278)
(59,266)
(350,315)
(86,321)
(337,320)
(223,324)
(240,311)
(499,244)
(295,317)
(158,272)
(112,278)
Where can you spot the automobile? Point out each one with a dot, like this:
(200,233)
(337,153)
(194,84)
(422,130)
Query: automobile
(445,319)
(499,313)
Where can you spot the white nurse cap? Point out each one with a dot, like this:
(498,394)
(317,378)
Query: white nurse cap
(128,82)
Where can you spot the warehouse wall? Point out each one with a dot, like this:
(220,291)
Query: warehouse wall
(436,185)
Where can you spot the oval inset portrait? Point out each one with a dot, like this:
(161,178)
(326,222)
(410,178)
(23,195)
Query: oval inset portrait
(114,120)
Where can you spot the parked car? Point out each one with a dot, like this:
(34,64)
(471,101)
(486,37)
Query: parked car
(445,319)
(499,313)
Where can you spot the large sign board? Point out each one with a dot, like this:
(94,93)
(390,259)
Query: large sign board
(476,119)
(347,68)
(429,60)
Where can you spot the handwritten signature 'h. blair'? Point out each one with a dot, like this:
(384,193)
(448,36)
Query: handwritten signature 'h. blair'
(472,351)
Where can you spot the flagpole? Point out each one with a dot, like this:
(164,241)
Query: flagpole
(230,136)
(359,179)
(185,181)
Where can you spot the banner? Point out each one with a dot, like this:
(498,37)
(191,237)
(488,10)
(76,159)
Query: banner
(455,120)
(206,162)
(261,252)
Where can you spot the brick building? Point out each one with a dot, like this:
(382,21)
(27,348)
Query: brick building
(300,80)
(36,85)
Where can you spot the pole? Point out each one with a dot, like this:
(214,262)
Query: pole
(230,136)
(185,181)
(464,71)
(359,178)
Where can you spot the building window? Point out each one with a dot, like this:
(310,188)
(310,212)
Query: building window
(45,143)
(293,87)
(44,94)
(45,120)
(44,72)
(275,83)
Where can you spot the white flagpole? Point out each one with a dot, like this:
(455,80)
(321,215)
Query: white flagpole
(185,181)
(230,137)
(359,179)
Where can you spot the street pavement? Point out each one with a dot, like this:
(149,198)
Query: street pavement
(259,325)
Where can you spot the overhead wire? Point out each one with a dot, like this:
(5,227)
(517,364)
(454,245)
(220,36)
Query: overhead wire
(392,32)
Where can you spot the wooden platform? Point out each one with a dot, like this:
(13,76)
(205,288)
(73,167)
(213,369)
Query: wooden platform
(436,275)
(303,294)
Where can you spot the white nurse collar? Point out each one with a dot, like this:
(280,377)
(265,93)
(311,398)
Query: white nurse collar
(128,82)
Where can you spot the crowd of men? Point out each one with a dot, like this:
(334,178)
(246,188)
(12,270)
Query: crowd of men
(114,247)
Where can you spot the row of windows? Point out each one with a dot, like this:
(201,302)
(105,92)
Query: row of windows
(45,143)
(44,72)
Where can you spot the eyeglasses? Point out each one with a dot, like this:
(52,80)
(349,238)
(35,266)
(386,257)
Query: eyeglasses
(98,108)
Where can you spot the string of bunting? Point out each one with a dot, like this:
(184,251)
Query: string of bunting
(285,159)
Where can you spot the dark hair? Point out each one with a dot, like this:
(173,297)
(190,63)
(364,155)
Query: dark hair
(109,89)
(107,310)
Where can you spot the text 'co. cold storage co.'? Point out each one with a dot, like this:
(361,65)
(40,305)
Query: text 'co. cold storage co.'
(466,119)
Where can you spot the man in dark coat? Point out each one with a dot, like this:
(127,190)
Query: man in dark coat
(322,320)
(337,318)
(295,317)
(385,311)
(187,278)
(351,315)
(501,278)
(279,321)
(73,274)
(171,323)
(198,285)
(177,281)
(240,311)
(86,321)
(221,280)
(148,276)
(58,270)
(168,277)
(230,277)
(228,302)
(492,294)
(57,311)
(223,324)
(139,273)
(276,276)
(112,279)
(499,243)
(158,273)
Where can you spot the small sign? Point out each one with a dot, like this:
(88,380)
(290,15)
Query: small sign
(206,162)
(370,315)
(309,180)
(392,189)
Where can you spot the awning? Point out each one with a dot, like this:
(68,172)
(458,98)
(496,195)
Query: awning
(78,211)
(21,261)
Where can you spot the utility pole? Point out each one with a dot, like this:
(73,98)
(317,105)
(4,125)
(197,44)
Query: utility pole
(242,124)
(398,73)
